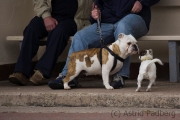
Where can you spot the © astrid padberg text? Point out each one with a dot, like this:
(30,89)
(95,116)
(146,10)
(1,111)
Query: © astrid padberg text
(118,113)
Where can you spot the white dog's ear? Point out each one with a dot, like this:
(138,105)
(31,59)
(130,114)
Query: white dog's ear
(151,51)
(121,35)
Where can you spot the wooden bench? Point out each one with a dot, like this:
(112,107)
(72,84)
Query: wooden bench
(173,43)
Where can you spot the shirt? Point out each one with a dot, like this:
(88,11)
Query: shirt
(114,10)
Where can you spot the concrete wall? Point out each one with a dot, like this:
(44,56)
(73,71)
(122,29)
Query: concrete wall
(15,15)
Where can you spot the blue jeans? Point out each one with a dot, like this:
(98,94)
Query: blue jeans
(89,38)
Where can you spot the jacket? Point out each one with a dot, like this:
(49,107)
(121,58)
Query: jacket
(121,8)
(43,9)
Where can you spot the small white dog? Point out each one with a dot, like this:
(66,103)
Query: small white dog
(147,69)
(89,60)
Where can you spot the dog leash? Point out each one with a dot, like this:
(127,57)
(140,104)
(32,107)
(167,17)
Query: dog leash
(104,46)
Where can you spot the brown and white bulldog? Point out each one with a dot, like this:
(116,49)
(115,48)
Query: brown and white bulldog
(89,60)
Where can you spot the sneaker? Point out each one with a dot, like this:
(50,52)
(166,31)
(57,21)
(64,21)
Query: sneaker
(58,83)
(118,82)
(18,78)
(37,78)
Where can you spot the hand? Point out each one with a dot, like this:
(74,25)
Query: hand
(95,12)
(137,7)
(50,23)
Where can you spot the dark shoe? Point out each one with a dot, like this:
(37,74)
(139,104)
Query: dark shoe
(58,83)
(38,78)
(18,78)
(118,82)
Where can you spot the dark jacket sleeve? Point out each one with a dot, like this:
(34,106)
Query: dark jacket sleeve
(92,20)
(148,2)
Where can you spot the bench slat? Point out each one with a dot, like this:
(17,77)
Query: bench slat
(173,39)
(14,38)
(160,37)
(147,37)
(20,38)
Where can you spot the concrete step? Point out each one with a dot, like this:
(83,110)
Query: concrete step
(87,113)
(92,94)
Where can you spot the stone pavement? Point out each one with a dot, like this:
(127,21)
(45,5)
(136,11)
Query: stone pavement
(87,113)
(90,101)
(92,94)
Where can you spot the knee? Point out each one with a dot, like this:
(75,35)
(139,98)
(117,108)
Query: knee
(34,24)
(123,28)
(78,43)
(77,38)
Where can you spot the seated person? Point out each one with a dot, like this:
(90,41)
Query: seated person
(56,19)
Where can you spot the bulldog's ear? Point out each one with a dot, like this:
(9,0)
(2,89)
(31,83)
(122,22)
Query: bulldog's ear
(121,35)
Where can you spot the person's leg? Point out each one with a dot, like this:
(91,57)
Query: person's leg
(89,38)
(131,24)
(134,25)
(32,34)
(56,43)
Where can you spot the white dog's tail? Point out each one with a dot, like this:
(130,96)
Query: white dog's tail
(155,60)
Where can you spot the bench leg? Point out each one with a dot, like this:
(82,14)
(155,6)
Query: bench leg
(20,44)
(173,61)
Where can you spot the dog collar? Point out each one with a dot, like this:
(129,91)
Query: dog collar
(145,59)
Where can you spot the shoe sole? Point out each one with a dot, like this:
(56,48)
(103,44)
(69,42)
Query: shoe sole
(42,82)
(60,86)
(55,86)
(115,85)
(15,81)
(34,83)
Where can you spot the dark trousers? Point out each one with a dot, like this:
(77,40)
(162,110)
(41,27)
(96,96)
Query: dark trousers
(56,43)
